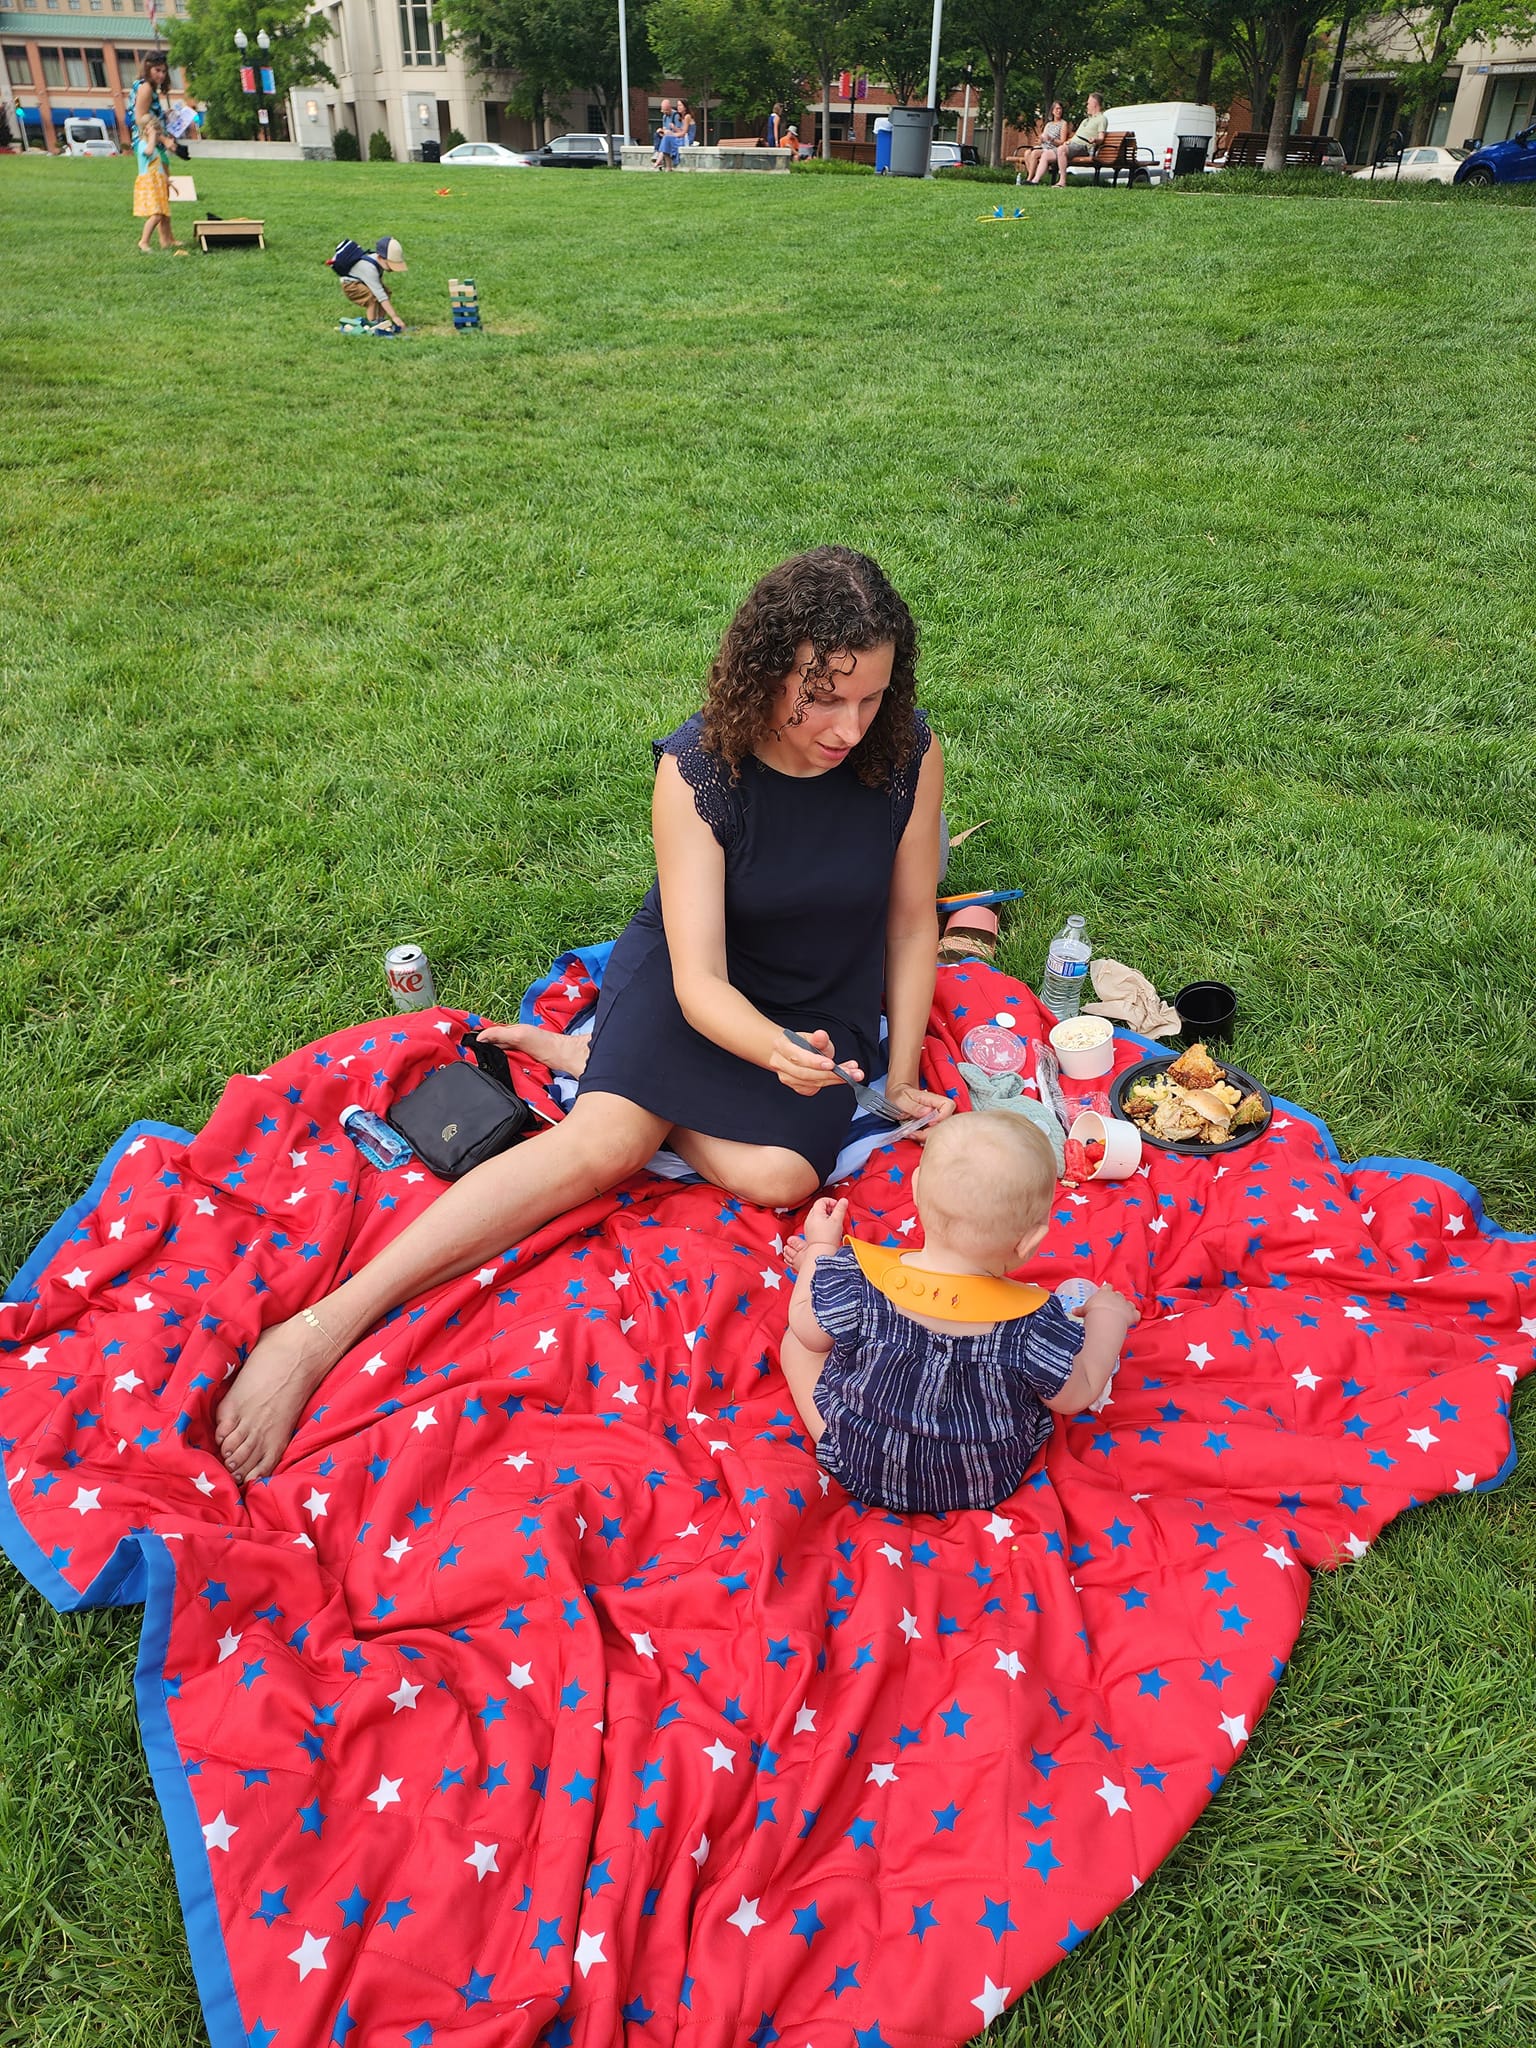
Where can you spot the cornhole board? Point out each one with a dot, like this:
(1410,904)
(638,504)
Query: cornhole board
(232,231)
(183,191)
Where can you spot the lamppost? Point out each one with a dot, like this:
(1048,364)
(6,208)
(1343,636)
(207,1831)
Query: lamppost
(257,79)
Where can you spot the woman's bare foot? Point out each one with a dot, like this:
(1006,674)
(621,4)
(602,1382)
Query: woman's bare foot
(259,1414)
(560,1052)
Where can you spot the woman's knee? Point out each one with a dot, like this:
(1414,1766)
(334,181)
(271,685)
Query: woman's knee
(606,1145)
(774,1179)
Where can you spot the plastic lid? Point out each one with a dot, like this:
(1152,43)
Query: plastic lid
(351,1106)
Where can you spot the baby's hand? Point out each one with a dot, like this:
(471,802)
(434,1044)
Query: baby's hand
(1110,1307)
(824,1223)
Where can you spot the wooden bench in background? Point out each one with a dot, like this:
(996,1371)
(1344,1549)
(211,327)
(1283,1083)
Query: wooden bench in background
(1302,152)
(1116,153)
(236,233)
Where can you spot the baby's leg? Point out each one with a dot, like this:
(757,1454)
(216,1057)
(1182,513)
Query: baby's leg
(802,1371)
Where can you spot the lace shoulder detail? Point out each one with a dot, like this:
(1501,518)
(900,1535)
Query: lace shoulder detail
(715,797)
(838,1292)
(904,781)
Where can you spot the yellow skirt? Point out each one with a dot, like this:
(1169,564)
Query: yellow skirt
(152,192)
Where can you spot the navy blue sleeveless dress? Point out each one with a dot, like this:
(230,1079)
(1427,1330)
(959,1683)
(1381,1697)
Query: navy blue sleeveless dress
(807,886)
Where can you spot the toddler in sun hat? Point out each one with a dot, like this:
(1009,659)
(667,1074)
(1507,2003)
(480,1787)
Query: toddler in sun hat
(360,273)
(927,1378)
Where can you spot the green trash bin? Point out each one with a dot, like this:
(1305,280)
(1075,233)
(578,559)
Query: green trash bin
(911,139)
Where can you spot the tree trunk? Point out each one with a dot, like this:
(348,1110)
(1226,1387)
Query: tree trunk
(999,94)
(1203,76)
(826,114)
(1298,28)
(1429,97)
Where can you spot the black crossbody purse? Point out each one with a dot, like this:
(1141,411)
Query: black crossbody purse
(465,1113)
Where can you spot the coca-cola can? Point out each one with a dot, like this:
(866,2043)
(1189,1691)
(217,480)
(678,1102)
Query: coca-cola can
(409,974)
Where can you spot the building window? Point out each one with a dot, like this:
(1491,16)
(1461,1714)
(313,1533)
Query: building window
(17,65)
(74,65)
(1511,107)
(53,67)
(97,65)
(418,33)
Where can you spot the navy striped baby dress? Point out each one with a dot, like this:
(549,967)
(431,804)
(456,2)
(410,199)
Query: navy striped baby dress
(923,1422)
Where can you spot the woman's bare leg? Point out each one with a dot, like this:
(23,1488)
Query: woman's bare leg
(602,1142)
(771,1176)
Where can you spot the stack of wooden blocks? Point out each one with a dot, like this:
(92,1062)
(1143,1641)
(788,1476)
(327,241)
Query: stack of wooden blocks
(463,303)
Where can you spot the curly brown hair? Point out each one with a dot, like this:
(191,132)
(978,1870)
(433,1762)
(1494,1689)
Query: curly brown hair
(840,602)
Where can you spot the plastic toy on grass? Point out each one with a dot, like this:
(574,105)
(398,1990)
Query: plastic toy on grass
(1002,213)
(464,303)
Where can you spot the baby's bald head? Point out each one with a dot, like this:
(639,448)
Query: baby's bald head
(985,1183)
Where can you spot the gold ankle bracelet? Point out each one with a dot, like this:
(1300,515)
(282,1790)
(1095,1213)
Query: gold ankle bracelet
(308,1315)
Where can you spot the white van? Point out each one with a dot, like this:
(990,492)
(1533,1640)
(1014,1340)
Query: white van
(1180,136)
(84,137)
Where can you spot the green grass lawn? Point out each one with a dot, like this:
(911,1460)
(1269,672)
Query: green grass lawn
(1218,520)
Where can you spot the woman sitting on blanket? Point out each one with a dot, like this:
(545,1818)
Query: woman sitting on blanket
(796,827)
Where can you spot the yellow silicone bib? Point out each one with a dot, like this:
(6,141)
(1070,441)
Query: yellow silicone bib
(947,1297)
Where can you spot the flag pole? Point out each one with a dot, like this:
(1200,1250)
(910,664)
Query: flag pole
(624,67)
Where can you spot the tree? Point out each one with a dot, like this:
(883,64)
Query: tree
(825,33)
(730,50)
(1434,32)
(1295,22)
(581,38)
(999,31)
(1254,40)
(894,38)
(555,47)
(204,45)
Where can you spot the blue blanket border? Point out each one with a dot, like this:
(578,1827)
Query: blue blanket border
(141,1568)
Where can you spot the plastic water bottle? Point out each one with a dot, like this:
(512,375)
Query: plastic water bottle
(1066,969)
(380,1144)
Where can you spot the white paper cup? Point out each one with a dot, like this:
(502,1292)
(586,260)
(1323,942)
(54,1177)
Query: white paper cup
(1121,1142)
(1085,1062)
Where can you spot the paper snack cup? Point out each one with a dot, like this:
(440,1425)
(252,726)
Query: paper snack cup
(1084,1062)
(1121,1142)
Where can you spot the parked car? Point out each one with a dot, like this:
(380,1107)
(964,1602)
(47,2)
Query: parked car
(486,153)
(1437,164)
(578,152)
(943,156)
(1180,134)
(84,137)
(1500,163)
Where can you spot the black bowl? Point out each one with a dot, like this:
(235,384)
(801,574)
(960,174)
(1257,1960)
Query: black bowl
(1148,1070)
(1207,1009)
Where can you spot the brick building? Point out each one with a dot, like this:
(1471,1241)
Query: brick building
(81,57)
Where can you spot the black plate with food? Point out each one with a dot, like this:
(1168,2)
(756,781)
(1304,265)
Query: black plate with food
(1192,1103)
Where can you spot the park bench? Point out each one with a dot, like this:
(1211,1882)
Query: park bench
(1246,152)
(1116,153)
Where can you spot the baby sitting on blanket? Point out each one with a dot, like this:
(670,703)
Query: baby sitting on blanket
(924,1377)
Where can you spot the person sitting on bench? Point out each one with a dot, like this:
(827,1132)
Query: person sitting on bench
(1091,131)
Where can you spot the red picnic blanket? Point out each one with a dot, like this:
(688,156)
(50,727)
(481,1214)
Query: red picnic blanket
(550,1692)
